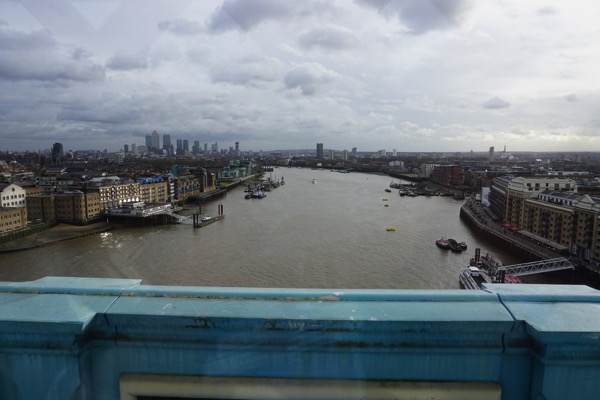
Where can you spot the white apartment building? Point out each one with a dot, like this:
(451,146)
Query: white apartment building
(12,196)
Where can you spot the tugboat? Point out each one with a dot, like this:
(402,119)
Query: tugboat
(442,243)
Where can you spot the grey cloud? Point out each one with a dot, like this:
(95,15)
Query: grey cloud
(571,98)
(546,11)
(127,62)
(16,40)
(421,16)
(247,14)
(181,26)
(37,56)
(249,71)
(495,103)
(328,38)
(100,115)
(307,77)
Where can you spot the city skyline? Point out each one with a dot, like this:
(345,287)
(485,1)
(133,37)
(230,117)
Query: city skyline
(414,76)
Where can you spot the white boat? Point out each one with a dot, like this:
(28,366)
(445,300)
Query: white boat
(473,278)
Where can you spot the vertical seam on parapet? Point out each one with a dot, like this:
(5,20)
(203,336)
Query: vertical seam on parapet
(513,323)
(117,297)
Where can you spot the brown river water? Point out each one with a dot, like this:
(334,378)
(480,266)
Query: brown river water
(328,234)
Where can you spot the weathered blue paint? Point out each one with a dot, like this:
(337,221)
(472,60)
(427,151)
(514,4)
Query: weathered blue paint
(72,338)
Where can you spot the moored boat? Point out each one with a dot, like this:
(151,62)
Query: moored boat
(442,243)
(512,279)
(258,194)
(454,246)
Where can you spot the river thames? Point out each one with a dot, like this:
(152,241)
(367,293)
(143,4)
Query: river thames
(328,234)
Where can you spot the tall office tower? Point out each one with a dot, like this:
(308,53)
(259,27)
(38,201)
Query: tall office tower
(126,149)
(237,149)
(166,142)
(205,148)
(394,153)
(57,153)
(215,147)
(345,155)
(149,141)
(179,144)
(491,155)
(319,151)
(331,154)
(155,141)
(133,148)
(186,145)
(354,152)
(196,147)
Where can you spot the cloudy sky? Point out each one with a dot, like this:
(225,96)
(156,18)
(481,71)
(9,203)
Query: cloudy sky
(411,75)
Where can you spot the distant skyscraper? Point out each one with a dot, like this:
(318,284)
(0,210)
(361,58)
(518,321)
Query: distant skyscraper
(57,153)
(196,147)
(149,141)
(205,148)
(155,140)
(186,145)
(133,148)
(319,151)
(331,154)
(345,155)
(354,152)
(126,149)
(237,149)
(179,144)
(166,142)
(491,155)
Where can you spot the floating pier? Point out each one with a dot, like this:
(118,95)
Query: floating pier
(200,220)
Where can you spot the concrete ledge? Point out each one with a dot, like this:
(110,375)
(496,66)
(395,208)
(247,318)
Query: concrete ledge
(528,339)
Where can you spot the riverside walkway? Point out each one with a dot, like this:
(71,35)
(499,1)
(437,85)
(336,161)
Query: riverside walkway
(57,233)
(479,219)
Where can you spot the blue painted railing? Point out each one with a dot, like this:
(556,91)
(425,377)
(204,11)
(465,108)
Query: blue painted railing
(85,338)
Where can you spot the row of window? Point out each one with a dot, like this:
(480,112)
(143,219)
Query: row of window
(9,216)
(13,196)
(14,203)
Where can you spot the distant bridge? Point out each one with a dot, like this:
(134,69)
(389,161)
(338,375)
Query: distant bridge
(537,267)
